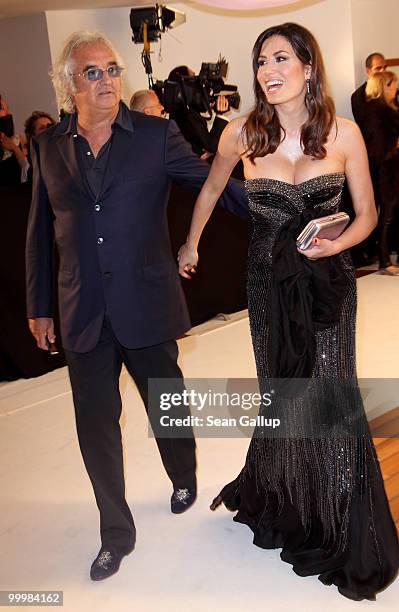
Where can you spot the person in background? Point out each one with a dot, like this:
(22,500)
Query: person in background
(146,101)
(36,123)
(13,161)
(375,63)
(381,133)
(365,253)
(194,126)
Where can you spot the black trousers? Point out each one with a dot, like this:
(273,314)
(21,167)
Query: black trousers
(95,386)
(389,201)
(386,222)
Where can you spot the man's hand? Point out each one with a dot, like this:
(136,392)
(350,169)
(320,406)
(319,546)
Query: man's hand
(188,259)
(42,329)
(222,105)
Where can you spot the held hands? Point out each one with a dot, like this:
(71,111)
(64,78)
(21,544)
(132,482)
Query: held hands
(188,259)
(42,329)
(321,248)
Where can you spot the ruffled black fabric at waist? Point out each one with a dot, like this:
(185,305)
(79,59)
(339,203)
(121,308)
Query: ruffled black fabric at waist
(306,296)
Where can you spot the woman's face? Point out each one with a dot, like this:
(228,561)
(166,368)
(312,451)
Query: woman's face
(281,75)
(41,124)
(391,90)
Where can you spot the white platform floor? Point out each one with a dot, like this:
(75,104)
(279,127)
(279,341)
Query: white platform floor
(198,561)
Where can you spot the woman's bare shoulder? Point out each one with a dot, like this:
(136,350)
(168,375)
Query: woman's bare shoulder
(233,135)
(347,128)
(236,125)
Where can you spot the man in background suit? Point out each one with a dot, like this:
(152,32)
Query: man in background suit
(375,62)
(101,182)
(365,253)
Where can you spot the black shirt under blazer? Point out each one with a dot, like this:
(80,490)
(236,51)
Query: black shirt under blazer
(116,260)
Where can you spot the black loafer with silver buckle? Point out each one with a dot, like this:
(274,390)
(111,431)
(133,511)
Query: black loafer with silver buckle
(106,563)
(182,499)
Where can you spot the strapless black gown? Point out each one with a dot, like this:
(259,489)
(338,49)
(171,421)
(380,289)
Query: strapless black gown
(315,493)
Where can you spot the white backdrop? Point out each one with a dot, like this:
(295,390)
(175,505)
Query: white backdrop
(375,28)
(209,32)
(348,30)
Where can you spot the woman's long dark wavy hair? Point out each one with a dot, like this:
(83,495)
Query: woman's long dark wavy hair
(262,130)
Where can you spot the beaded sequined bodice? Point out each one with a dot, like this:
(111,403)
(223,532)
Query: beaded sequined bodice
(273,203)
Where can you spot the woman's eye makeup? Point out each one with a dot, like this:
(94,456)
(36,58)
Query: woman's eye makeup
(262,61)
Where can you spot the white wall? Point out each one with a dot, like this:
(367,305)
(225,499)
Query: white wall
(209,32)
(375,28)
(24,64)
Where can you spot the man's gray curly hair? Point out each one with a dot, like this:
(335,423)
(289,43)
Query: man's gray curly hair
(62,72)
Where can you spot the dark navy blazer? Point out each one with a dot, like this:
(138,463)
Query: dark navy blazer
(115,257)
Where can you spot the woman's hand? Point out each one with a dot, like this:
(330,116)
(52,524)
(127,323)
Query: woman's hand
(188,259)
(321,248)
(7,143)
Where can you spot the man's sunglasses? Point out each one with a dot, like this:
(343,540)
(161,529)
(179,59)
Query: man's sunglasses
(96,74)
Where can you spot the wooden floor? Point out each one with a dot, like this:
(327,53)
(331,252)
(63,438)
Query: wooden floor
(385,432)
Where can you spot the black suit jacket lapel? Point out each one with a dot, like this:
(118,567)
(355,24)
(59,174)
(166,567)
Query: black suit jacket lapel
(67,148)
(119,153)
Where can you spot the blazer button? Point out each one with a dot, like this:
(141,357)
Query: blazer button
(100,240)
(97,207)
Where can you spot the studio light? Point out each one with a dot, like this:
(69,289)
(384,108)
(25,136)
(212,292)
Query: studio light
(157,20)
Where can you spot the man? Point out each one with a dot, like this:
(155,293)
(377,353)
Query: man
(146,101)
(365,253)
(101,182)
(375,62)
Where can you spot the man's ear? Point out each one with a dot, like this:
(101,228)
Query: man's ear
(147,111)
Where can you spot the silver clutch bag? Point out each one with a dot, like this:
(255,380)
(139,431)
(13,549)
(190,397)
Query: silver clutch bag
(329,227)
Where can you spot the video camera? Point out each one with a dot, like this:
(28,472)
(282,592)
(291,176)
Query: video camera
(198,92)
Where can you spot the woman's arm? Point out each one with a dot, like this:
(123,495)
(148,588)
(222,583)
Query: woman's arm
(225,160)
(361,190)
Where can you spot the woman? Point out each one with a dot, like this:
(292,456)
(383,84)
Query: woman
(13,163)
(315,488)
(381,132)
(36,123)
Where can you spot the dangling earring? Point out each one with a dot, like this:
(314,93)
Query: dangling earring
(308,87)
